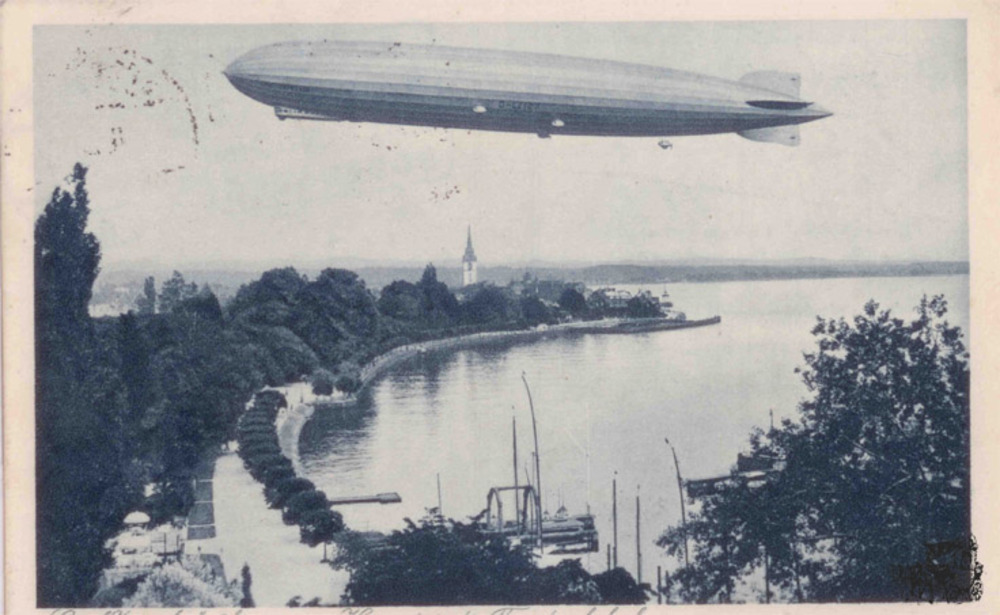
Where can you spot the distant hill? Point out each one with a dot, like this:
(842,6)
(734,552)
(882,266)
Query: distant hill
(610,274)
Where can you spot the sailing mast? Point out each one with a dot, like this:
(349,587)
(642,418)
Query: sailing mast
(517,490)
(538,465)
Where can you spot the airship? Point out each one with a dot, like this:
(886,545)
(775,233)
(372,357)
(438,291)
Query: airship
(515,91)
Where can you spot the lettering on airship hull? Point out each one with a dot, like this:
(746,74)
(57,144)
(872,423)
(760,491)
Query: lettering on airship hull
(482,89)
(518,105)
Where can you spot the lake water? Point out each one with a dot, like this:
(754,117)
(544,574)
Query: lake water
(604,405)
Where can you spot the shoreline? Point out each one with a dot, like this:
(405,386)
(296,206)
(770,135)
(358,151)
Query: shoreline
(290,421)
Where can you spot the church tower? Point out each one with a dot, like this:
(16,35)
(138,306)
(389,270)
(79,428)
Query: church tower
(469,262)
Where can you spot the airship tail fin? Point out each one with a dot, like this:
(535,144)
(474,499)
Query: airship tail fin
(784,83)
(785,135)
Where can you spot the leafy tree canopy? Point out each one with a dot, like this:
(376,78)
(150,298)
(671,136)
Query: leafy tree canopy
(450,563)
(875,468)
(322,382)
(190,583)
(573,302)
(174,291)
(85,478)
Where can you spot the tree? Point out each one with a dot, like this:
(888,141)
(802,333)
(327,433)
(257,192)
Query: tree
(348,384)
(134,352)
(187,584)
(565,583)
(322,382)
(443,563)
(643,306)
(439,306)
(303,502)
(435,564)
(203,304)
(598,303)
(276,474)
(146,303)
(67,258)
(320,525)
(174,291)
(489,305)
(875,469)
(617,586)
(281,491)
(534,311)
(85,480)
(401,300)
(573,302)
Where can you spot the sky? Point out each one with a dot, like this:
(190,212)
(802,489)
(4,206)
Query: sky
(208,177)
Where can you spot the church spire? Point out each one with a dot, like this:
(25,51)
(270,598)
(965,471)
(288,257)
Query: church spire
(470,254)
(469,261)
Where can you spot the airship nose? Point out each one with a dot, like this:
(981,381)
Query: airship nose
(235,69)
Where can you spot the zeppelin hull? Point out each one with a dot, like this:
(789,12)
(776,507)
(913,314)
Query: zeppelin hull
(501,114)
(503,91)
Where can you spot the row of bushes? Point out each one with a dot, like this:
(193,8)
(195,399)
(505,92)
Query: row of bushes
(298,498)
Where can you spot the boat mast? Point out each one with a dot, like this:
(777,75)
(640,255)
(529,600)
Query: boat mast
(680,488)
(538,464)
(517,490)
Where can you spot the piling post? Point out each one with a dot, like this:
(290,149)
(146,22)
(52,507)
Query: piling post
(440,508)
(609,555)
(614,516)
(659,584)
(638,541)
(517,514)
(767,577)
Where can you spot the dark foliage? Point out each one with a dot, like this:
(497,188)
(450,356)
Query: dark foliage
(174,291)
(642,306)
(490,305)
(205,305)
(348,384)
(279,493)
(617,586)
(301,503)
(573,302)
(85,479)
(276,474)
(319,525)
(322,382)
(876,467)
(113,597)
(450,563)
(146,303)
(534,312)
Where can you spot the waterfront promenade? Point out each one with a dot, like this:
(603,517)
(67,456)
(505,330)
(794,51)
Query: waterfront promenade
(248,532)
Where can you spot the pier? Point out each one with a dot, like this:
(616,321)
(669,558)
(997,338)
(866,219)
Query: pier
(381,498)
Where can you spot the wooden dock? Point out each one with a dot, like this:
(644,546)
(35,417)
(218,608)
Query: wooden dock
(381,498)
